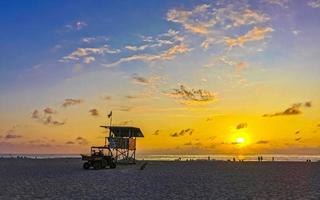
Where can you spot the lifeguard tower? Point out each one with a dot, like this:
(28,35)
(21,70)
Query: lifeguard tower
(122,142)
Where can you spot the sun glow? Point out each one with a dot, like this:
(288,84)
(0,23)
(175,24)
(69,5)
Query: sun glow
(240,140)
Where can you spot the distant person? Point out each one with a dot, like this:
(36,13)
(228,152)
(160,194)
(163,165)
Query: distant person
(234,159)
(272,159)
(209,158)
(261,158)
(258,158)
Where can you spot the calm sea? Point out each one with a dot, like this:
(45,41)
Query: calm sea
(266,157)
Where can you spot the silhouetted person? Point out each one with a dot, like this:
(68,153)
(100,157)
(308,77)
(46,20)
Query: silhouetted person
(272,159)
(234,159)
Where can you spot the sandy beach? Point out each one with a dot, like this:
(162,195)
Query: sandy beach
(65,179)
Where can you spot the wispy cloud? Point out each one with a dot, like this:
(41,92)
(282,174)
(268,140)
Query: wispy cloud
(242,126)
(52,121)
(106,97)
(188,144)
(156,132)
(295,109)
(262,142)
(12,136)
(281,3)
(78,140)
(76,26)
(189,19)
(164,55)
(87,54)
(191,96)
(314,3)
(81,140)
(94,112)
(255,34)
(238,65)
(151,80)
(137,48)
(46,117)
(182,132)
(49,110)
(71,102)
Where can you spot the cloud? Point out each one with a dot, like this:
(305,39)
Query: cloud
(81,140)
(137,79)
(298,139)
(94,112)
(78,140)
(87,54)
(50,120)
(281,3)
(314,3)
(35,114)
(207,42)
(308,104)
(89,59)
(11,135)
(208,119)
(137,48)
(242,126)
(71,102)
(164,46)
(156,132)
(48,110)
(125,109)
(188,144)
(167,54)
(182,132)
(192,96)
(295,109)
(255,34)
(88,39)
(238,66)
(70,142)
(125,122)
(140,80)
(188,19)
(76,26)
(297,132)
(106,97)
(262,142)
(204,20)
(46,117)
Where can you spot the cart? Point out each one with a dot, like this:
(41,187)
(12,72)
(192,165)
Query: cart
(100,158)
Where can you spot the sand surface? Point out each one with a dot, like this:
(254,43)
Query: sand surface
(65,179)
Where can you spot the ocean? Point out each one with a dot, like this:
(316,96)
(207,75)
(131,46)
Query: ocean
(266,157)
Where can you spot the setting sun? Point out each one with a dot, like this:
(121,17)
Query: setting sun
(240,140)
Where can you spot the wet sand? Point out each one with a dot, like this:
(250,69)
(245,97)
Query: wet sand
(65,179)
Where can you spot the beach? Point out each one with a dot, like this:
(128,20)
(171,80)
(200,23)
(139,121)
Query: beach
(66,179)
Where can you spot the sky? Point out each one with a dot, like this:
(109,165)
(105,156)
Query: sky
(198,77)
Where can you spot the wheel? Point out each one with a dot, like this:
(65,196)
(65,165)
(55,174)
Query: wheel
(86,165)
(96,165)
(113,165)
(104,163)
